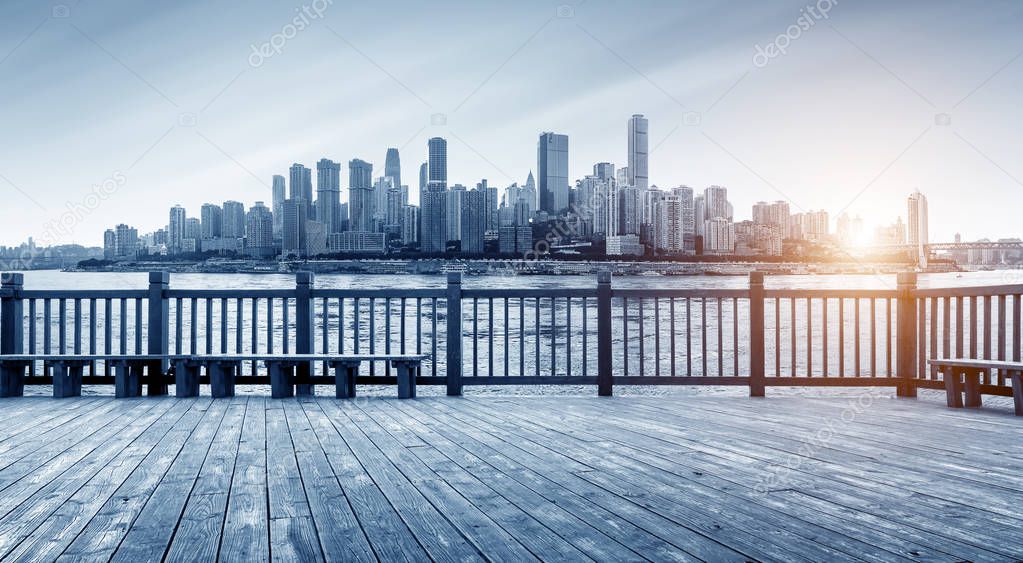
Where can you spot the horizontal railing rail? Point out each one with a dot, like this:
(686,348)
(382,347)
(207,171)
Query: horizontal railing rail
(600,335)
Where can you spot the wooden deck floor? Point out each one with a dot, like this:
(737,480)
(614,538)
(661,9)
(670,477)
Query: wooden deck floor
(629,478)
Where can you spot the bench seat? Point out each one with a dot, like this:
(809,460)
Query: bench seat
(287,371)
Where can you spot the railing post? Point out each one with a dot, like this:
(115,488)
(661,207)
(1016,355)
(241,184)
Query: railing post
(12,318)
(906,336)
(304,330)
(605,379)
(756,334)
(12,313)
(454,333)
(159,314)
(158,330)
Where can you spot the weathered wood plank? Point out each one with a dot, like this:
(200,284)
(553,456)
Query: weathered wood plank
(293,533)
(140,457)
(246,534)
(150,534)
(105,531)
(339,531)
(90,456)
(389,536)
(197,537)
(429,526)
(546,529)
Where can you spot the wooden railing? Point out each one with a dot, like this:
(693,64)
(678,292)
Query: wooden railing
(600,335)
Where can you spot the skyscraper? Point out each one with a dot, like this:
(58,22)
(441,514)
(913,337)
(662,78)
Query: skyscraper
(279,196)
(176,230)
(715,200)
(687,204)
(392,166)
(234,219)
(456,195)
(473,222)
(423,177)
(294,229)
(410,225)
(361,201)
(381,190)
(212,217)
(638,143)
(433,220)
(552,167)
(259,240)
(328,195)
(916,219)
(301,186)
(438,162)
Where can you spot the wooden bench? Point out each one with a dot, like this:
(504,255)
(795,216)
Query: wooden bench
(963,377)
(285,371)
(66,370)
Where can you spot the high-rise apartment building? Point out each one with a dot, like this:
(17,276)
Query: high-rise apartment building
(437,149)
(552,167)
(328,194)
(278,197)
(301,186)
(234,220)
(176,230)
(433,230)
(211,217)
(361,199)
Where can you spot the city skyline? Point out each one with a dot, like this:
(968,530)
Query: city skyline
(607,209)
(866,112)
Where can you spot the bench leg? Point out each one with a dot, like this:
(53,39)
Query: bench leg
(12,379)
(953,393)
(221,379)
(156,385)
(67,380)
(1017,392)
(126,380)
(304,371)
(406,380)
(186,379)
(281,383)
(972,388)
(344,379)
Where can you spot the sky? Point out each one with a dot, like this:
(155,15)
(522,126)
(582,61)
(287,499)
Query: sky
(113,111)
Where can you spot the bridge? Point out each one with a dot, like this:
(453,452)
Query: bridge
(945,246)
